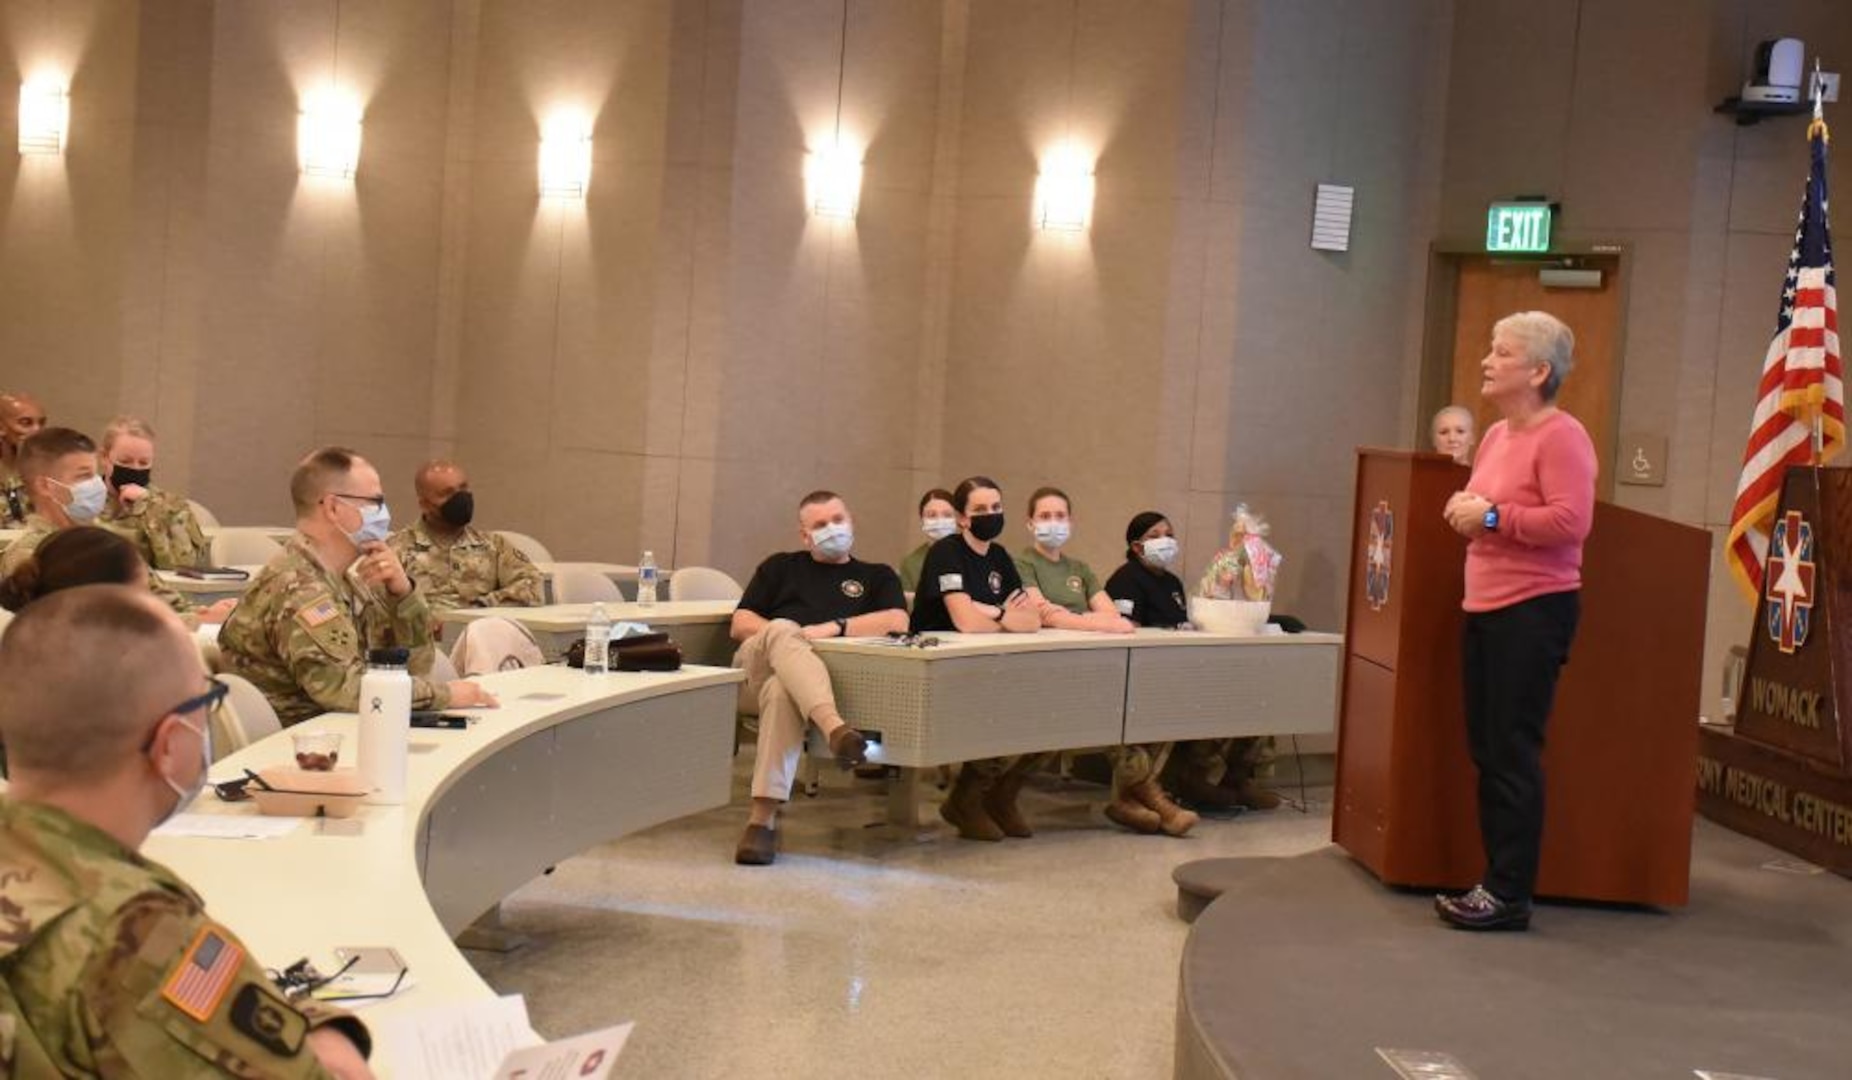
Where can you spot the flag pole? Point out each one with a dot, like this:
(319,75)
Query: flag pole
(1818,127)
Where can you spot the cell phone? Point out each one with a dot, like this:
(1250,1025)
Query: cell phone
(370,959)
(446,721)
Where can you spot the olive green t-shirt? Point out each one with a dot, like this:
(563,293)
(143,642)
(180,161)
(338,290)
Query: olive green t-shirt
(911,566)
(1068,582)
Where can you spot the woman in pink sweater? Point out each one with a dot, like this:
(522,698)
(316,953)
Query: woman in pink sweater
(1526,511)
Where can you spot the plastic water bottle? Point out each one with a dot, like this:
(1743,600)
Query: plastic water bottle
(385,725)
(598,641)
(646,580)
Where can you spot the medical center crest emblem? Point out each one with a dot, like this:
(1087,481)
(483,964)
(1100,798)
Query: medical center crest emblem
(1377,556)
(1790,577)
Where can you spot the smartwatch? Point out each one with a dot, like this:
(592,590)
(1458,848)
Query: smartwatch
(1491,519)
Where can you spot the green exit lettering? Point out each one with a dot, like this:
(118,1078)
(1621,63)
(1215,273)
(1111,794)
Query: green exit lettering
(1518,227)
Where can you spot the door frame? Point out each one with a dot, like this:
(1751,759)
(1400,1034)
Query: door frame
(1441,310)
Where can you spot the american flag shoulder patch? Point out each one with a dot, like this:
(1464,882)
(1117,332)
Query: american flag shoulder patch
(315,614)
(205,972)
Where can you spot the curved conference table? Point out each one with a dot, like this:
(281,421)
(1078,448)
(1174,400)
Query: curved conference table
(568,761)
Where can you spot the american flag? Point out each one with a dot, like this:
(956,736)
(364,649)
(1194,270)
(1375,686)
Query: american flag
(1802,378)
(199,983)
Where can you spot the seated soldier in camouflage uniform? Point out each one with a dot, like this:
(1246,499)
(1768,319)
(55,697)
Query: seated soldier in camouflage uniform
(159,522)
(458,564)
(302,631)
(109,964)
(58,466)
(20,417)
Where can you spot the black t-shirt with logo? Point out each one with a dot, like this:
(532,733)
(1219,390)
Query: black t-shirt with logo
(794,585)
(952,567)
(1148,597)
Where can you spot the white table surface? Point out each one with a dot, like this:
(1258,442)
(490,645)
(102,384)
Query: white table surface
(309,893)
(560,618)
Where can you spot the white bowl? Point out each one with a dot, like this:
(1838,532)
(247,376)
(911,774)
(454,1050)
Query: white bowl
(1242,617)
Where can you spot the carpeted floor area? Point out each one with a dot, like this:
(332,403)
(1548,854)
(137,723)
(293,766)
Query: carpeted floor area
(870,952)
(1306,965)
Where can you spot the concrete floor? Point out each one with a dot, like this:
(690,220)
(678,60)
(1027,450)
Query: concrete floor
(868,951)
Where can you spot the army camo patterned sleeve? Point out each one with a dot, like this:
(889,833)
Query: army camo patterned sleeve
(326,649)
(177,995)
(517,579)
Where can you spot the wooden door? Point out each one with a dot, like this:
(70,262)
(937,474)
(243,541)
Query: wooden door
(1488,290)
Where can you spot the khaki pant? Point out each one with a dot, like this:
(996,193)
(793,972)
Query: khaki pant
(1135,763)
(785,686)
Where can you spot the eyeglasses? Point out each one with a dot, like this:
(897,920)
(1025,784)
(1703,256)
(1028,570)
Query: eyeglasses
(300,980)
(378,502)
(211,701)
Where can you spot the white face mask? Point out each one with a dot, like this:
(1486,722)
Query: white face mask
(834,540)
(1052,534)
(88,498)
(938,528)
(375,525)
(188,794)
(1161,551)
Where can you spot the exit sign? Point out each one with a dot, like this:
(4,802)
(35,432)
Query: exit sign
(1521,226)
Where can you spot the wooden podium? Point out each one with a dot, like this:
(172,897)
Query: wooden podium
(1621,752)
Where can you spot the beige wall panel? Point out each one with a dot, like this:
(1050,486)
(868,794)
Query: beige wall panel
(1017,75)
(1509,106)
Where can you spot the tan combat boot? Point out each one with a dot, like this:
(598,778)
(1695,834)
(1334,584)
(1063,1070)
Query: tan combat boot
(963,809)
(1000,800)
(1128,812)
(1173,819)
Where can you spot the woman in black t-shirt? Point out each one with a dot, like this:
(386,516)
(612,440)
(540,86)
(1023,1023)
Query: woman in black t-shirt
(969,585)
(1146,592)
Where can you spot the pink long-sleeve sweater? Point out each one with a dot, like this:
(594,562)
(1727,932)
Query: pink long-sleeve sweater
(1542,479)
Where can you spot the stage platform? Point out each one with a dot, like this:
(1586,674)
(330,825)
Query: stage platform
(1303,967)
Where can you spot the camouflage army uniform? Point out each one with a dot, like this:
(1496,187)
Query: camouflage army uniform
(38,528)
(163,527)
(14,505)
(301,634)
(109,966)
(477,569)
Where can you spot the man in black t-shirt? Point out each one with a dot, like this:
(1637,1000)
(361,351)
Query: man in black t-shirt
(794,598)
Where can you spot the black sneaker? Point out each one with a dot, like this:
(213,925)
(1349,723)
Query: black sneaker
(1478,909)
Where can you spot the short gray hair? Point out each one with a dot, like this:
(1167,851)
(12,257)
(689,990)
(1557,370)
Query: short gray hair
(1547,340)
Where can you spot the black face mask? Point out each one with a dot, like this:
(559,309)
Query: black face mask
(459,509)
(121,476)
(987,527)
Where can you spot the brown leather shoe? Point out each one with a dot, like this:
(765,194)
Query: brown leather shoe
(1173,819)
(1197,791)
(849,747)
(1128,813)
(758,846)
(1248,793)
(963,809)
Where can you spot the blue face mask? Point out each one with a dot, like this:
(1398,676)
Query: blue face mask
(833,541)
(1052,534)
(88,498)
(375,525)
(1161,551)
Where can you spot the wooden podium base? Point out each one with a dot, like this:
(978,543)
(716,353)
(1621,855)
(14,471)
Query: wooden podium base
(1779,798)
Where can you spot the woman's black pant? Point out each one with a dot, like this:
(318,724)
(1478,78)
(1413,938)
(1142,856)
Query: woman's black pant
(1510,659)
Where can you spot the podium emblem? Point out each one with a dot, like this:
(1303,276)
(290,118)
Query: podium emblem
(1377,556)
(1790,579)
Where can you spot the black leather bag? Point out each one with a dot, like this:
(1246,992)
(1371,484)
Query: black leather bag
(639,652)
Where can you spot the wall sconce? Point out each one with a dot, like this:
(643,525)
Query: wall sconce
(834,179)
(565,158)
(1064,191)
(328,134)
(44,117)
